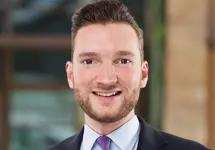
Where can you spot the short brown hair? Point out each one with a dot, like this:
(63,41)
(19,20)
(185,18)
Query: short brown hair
(104,11)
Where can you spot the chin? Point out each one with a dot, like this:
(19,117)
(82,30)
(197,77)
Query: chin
(108,117)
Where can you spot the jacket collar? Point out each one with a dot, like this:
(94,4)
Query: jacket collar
(149,137)
(74,142)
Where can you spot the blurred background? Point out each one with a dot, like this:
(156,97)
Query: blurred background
(37,108)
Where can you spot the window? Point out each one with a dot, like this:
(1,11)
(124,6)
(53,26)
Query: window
(38,66)
(42,16)
(40,118)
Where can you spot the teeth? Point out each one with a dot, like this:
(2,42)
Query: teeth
(106,94)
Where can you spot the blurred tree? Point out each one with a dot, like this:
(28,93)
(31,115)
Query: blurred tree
(156,21)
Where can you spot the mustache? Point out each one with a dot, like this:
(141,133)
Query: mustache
(108,87)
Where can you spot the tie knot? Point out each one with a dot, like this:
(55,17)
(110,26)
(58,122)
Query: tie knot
(104,142)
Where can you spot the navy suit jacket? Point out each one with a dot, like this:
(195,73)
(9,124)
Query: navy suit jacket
(149,139)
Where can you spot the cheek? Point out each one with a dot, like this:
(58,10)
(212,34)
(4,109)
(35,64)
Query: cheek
(82,76)
(129,76)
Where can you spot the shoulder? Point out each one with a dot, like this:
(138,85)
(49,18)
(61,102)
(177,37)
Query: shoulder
(73,142)
(62,145)
(155,139)
(178,143)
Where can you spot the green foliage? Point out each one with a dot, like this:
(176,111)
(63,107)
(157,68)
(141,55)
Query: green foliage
(157,62)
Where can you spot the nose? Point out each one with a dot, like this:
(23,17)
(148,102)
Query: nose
(107,75)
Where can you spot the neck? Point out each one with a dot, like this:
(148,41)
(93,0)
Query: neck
(106,128)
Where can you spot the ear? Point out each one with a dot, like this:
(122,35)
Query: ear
(145,70)
(69,74)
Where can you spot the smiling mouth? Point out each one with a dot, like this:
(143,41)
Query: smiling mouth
(107,94)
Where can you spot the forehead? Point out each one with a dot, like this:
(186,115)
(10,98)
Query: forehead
(106,38)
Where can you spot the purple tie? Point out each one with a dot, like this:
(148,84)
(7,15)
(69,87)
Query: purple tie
(104,142)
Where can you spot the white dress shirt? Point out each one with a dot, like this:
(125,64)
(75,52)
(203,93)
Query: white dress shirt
(124,138)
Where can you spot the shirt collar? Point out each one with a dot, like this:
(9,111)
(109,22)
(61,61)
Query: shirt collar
(89,137)
(131,129)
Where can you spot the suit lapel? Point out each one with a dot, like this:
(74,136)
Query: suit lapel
(149,138)
(75,142)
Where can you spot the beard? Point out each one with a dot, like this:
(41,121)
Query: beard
(127,104)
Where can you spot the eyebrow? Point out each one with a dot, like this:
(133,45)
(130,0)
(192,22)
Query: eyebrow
(88,54)
(124,53)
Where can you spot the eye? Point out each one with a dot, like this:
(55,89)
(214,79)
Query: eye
(88,61)
(124,61)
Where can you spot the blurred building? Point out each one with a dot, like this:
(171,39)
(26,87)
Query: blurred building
(37,107)
(189,70)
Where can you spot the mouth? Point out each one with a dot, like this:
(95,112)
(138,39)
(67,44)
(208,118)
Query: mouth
(107,94)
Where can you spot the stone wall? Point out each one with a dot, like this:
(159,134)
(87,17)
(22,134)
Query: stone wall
(186,69)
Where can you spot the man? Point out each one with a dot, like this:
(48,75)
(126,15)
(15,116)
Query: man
(106,73)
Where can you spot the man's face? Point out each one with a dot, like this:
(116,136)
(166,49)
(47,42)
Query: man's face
(107,73)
